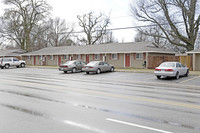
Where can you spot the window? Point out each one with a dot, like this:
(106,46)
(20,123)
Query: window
(15,59)
(51,57)
(114,56)
(139,56)
(78,57)
(29,57)
(97,56)
(101,63)
(40,57)
(66,57)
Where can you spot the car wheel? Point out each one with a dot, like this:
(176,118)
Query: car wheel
(65,71)
(2,67)
(177,75)
(158,77)
(98,71)
(112,69)
(87,72)
(22,65)
(73,70)
(187,73)
(7,66)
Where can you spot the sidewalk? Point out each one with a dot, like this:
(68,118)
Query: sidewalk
(117,70)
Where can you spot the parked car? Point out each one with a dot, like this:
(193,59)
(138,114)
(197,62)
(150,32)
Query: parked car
(171,69)
(72,66)
(98,67)
(7,62)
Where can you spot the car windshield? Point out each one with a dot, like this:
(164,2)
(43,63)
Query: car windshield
(68,62)
(93,63)
(167,64)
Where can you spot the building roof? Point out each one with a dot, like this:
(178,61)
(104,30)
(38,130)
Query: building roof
(133,47)
(194,51)
(13,52)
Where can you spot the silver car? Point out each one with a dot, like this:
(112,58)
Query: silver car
(98,67)
(72,66)
(171,69)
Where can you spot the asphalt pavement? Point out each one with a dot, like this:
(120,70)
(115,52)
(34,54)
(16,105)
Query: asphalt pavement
(46,100)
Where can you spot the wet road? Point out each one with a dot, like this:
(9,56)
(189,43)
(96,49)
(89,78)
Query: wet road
(36,100)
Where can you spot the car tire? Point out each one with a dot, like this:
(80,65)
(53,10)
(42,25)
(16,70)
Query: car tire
(7,66)
(112,69)
(98,71)
(65,71)
(74,70)
(22,65)
(177,75)
(158,77)
(187,73)
(2,67)
(87,72)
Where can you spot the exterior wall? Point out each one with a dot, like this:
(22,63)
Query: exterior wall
(118,63)
(137,63)
(197,62)
(152,59)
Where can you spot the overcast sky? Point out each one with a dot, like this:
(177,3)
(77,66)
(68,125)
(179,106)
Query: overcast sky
(119,11)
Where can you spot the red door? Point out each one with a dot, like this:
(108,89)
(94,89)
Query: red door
(34,60)
(87,58)
(127,60)
(59,60)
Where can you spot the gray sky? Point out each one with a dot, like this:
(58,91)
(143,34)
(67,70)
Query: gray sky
(119,11)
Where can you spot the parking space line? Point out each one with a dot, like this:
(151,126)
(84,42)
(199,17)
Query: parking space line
(190,79)
(139,126)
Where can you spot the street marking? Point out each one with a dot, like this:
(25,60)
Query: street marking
(84,126)
(179,104)
(190,79)
(136,125)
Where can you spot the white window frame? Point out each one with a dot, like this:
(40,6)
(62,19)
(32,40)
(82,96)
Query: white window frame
(51,57)
(114,56)
(97,56)
(139,56)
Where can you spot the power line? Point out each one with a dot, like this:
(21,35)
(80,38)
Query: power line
(125,28)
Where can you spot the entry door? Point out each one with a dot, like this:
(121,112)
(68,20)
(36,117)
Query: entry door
(87,58)
(34,60)
(59,60)
(127,60)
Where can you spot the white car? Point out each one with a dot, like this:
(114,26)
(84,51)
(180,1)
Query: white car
(7,62)
(171,69)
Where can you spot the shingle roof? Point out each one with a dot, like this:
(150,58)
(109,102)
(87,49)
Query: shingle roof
(133,47)
(14,52)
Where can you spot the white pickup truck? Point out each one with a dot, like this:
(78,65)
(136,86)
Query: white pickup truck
(7,62)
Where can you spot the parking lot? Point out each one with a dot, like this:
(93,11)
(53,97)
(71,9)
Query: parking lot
(48,100)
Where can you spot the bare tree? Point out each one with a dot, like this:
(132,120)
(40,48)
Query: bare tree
(94,26)
(178,19)
(108,37)
(59,33)
(19,21)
